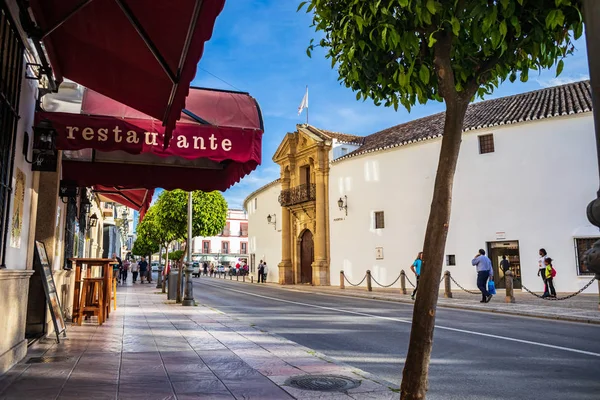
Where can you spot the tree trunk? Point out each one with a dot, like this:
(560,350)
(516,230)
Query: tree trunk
(416,367)
(166,263)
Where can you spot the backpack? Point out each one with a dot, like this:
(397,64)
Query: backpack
(552,272)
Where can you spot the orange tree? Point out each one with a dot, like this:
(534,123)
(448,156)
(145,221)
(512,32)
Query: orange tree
(400,52)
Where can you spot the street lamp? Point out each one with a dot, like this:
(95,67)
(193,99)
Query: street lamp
(93,220)
(343,204)
(272,219)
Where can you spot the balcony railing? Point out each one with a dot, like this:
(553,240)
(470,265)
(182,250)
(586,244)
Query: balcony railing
(297,195)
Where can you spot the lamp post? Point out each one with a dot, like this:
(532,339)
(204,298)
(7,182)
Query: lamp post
(272,219)
(591,11)
(343,204)
(188,294)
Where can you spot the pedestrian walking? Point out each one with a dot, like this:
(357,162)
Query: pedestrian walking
(504,264)
(485,272)
(416,269)
(134,271)
(261,269)
(126,265)
(265,272)
(117,267)
(143,264)
(205,268)
(542,265)
(549,273)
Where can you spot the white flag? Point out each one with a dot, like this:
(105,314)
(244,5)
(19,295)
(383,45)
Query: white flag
(304,103)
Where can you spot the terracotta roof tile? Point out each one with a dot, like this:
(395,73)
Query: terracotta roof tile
(551,102)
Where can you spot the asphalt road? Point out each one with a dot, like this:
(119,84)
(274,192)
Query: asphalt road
(475,355)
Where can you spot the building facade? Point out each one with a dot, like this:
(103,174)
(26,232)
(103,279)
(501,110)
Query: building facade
(229,246)
(526,172)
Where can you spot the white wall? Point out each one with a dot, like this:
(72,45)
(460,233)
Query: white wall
(16,258)
(535,187)
(264,238)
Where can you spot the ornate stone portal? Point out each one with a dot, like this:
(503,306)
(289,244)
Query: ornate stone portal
(304,160)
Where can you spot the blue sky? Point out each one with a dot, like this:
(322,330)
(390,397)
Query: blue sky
(259,46)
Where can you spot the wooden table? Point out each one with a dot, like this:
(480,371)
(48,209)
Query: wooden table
(92,268)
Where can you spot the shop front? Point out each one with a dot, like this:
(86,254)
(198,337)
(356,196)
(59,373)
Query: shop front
(505,250)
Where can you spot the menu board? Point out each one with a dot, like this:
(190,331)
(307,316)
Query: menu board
(50,289)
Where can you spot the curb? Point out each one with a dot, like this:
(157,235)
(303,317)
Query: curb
(450,306)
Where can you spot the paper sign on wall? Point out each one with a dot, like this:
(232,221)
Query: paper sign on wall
(379,253)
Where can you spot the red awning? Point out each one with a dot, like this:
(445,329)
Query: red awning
(124,148)
(138,52)
(138,199)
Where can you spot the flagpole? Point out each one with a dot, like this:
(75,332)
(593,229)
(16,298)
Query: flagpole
(307,105)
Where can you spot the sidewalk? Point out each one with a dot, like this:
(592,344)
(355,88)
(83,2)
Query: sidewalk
(151,348)
(581,308)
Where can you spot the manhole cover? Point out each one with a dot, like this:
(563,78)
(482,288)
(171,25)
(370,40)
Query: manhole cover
(46,360)
(323,383)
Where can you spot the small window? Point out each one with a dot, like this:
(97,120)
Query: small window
(243,229)
(206,246)
(255,203)
(581,246)
(379,224)
(344,151)
(244,248)
(450,260)
(225,247)
(486,144)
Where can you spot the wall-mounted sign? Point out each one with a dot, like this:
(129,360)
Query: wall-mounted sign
(379,253)
(500,235)
(339,219)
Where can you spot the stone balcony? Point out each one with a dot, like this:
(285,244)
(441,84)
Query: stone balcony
(297,195)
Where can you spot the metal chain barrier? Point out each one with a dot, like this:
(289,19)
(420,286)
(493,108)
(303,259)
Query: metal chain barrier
(408,279)
(560,298)
(462,288)
(385,286)
(358,284)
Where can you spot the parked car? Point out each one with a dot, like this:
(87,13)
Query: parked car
(196,268)
(154,266)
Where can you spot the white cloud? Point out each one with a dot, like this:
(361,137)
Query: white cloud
(562,80)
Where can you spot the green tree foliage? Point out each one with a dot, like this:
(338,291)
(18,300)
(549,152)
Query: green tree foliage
(387,49)
(174,255)
(209,213)
(144,247)
(400,52)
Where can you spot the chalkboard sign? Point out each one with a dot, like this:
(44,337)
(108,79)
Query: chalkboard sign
(50,289)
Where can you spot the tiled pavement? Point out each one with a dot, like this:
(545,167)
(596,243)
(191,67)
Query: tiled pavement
(153,349)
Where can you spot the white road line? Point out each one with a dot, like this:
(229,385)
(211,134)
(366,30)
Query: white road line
(407,321)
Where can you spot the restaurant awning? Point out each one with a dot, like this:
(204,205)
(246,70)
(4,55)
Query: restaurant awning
(140,53)
(216,143)
(136,198)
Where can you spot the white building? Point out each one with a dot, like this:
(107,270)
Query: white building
(526,172)
(226,248)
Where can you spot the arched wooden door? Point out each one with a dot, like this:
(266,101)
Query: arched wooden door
(306,257)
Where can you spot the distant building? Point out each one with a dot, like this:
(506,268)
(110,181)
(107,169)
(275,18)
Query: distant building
(226,248)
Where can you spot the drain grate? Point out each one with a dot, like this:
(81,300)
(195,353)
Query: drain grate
(323,383)
(46,360)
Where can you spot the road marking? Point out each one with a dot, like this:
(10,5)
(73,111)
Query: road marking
(407,321)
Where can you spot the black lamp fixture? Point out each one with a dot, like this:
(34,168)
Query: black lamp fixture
(44,155)
(93,220)
(272,219)
(343,204)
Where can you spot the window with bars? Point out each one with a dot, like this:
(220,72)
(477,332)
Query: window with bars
(244,248)
(486,144)
(206,246)
(11,68)
(379,222)
(581,246)
(225,247)
(243,229)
